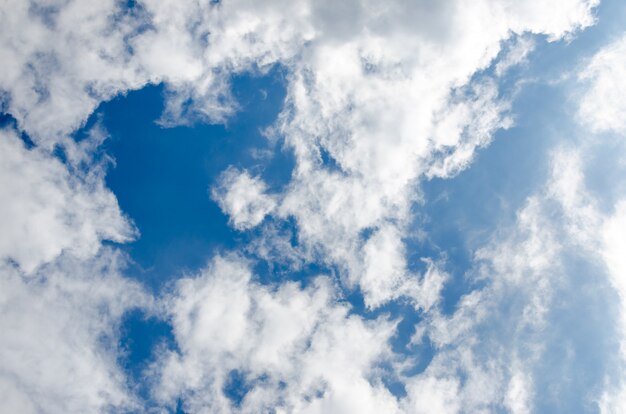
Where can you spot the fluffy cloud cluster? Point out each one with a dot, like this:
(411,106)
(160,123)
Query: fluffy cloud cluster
(59,345)
(512,343)
(379,97)
(396,104)
(243,198)
(292,349)
(62,294)
(49,207)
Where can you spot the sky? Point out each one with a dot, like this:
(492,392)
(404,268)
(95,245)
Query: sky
(312,206)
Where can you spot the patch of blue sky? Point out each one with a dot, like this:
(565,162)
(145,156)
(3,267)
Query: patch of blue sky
(8,121)
(162,176)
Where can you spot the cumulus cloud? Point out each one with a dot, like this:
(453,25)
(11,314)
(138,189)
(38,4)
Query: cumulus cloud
(59,349)
(49,207)
(243,198)
(379,97)
(295,349)
(385,91)
(65,58)
(68,56)
(62,294)
(381,273)
(516,54)
(397,104)
(500,349)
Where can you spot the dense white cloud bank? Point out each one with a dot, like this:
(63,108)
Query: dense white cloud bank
(380,95)
(64,57)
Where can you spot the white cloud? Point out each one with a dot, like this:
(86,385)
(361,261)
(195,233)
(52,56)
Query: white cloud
(63,59)
(495,349)
(476,366)
(613,233)
(382,273)
(48,207)
(516,54)
(389,92)
(385,90)
(61,293)
(58,348)
(602,106)
(433,395)
(397,104)
(243,198)
(517,398)
(493,352)
(297,349)
(602,109)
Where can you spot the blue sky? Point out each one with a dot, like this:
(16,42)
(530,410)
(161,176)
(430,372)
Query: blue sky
(246,207)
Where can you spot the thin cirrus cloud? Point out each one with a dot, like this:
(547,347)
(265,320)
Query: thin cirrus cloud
(380,97)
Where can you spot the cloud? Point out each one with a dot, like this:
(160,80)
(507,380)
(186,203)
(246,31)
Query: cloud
(296,349)
(539,309)
(387,92)
(59,349)
(475,367)
(601,109)
(602,106)
(399,103)
(613,245)
(382,275)
(243,198)
(62,295)
(536,287)
(67,57)
(516,54)
(379,97)
(49,207)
